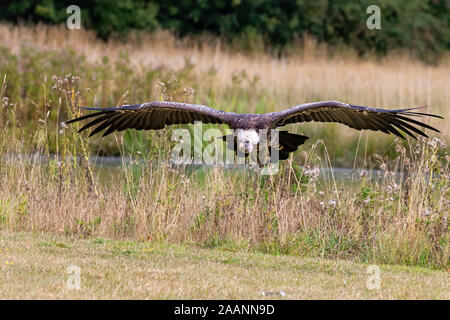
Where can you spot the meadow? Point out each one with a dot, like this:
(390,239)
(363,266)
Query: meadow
(398,218)
(37,267)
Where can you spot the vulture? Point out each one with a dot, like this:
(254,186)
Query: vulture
(156,115)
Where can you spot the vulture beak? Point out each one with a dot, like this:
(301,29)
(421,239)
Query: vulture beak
(241,146)
(245,146)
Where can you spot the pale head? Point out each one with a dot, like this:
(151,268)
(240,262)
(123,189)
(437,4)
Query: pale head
(247,140)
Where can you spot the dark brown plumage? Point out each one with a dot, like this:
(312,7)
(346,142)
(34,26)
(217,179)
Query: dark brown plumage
(157,114)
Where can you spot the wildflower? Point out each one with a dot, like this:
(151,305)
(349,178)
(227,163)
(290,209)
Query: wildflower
(313,173)
(392,187)
(377,157)
(390,173)
(422,139)
(417,149)
(332,202)
(188,91)
(399,148)
(432,144)
(435,143)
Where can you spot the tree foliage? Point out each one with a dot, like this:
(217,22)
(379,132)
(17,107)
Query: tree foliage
(421,26)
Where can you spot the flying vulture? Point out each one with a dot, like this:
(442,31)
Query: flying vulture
(157,114)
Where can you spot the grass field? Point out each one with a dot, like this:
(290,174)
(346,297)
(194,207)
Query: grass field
(34,266)
(294,217)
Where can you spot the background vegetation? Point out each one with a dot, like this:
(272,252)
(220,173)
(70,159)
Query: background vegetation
(41,65)
(49,185)
(414,26)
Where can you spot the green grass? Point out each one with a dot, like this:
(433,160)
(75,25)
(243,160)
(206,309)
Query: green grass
(34,266)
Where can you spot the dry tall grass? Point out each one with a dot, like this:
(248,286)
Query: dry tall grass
(305,76)
(294,212)
(387,220)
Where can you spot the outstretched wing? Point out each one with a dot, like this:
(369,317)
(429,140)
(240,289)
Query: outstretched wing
(356,117)
(150,116)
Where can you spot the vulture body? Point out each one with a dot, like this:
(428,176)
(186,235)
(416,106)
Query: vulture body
(157,114)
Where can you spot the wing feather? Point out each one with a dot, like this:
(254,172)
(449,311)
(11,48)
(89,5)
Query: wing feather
(357,117)
(151,116)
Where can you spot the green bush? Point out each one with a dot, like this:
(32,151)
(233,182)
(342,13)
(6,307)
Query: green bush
(420,26)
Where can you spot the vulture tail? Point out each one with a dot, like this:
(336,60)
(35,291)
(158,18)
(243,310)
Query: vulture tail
(289,142)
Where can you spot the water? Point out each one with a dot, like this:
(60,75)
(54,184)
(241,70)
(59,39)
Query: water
(105,165)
